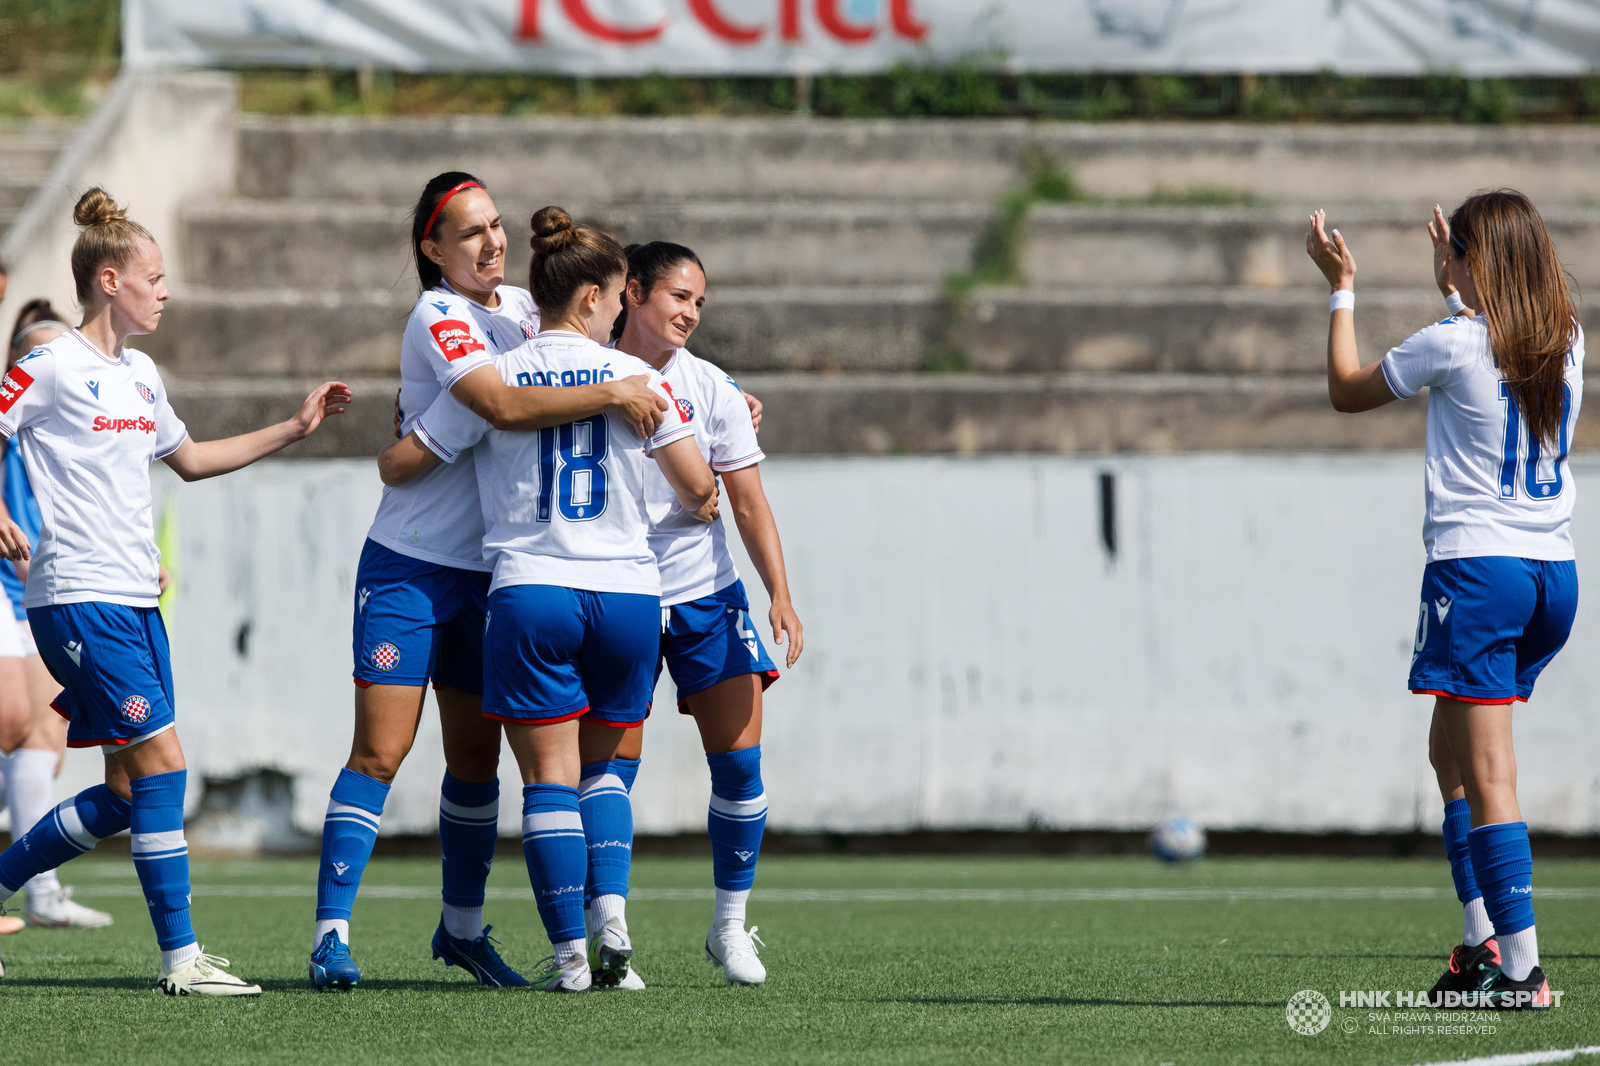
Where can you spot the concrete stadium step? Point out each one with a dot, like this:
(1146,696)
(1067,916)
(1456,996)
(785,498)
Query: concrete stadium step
(556,160)
(1080,246)
(841,414)
(262,333)
(661,160)
(244,244)
(28,149)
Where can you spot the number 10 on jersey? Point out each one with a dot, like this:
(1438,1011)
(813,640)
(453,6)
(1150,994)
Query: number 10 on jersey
(572,469)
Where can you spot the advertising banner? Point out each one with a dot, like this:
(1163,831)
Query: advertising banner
(777,37)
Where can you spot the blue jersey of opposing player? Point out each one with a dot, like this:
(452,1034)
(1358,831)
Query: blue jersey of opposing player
(17,493)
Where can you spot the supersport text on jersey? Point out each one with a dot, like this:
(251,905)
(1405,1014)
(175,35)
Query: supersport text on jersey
(435,517)
(89,426)
(562,506)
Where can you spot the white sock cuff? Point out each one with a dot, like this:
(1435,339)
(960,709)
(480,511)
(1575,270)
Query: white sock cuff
(463,923)
(326,925)
(178,956)
(566,949)
(1519,953)
(1476,927)
(605,908)
(731,905)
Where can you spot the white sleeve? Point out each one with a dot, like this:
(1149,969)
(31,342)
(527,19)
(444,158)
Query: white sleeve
(170,430)
(674,426)
(448,338)
(27,392)
(733,437)
(448,428)
(1421,360)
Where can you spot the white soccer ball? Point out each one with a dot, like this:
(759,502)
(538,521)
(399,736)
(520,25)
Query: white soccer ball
(1178,840)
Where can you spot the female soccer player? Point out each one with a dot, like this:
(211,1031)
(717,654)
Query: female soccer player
(708,643)
(26,687)
(91,416)
(1500,589)
(575,601)
(422,583)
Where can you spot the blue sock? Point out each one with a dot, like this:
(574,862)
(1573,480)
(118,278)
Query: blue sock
(469,815)
(553,844)
(349,830)
(74,827)
(161,855)
(607,829)
(1457,823)
(737,817)
(1503,863)
(627,769)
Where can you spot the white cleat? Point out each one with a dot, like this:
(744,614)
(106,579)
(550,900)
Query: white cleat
(570,976)
(204,975)
(729,946)
(610,954)
(56,910)
(633,982)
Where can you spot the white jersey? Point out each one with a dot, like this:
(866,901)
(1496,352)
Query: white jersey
(692,555)
(89,427)
(1492,489)
(565,505)
(436,517)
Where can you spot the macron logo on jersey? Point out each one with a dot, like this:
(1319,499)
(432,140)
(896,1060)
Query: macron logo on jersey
(454,338)
(13,385)
(102,424)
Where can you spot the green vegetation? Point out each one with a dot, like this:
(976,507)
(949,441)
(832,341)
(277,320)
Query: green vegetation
(57,56)
(882,968)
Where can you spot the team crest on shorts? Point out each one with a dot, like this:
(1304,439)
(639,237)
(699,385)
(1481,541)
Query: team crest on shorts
(385,657)
(144,390)
(135,709)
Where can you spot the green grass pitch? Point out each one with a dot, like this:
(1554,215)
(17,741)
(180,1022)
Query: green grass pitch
(919,961)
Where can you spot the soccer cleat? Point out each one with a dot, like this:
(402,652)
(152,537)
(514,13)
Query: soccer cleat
(204,975)
(56,910)
(332,968)
(1530,994)
(570,976)
(1470,969)
(729,946)
(478,957)
(633,982)
(610,954)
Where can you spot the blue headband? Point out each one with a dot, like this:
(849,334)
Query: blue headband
(1455,240)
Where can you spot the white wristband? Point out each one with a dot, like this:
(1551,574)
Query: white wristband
(1342,298)
(1455,303)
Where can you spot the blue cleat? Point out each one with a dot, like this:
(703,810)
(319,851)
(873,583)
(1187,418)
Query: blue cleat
(332,968)
(477,957)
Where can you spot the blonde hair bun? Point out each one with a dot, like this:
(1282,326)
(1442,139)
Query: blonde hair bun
(97,208)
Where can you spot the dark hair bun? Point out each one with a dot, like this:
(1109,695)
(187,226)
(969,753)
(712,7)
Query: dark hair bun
(97,208)
(553,231)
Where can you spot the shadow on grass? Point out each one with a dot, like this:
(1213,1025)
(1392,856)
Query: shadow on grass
(377,984)
(77,984)
(1070,1001)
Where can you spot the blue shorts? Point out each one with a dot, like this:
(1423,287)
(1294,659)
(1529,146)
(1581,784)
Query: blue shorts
(114,664)
(706,641)
(417,620)
(557,653)
(1488,626)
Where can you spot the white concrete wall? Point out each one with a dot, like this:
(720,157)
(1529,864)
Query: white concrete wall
(975,658)
(159,143)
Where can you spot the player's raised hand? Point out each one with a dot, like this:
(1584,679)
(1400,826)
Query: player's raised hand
(13,542)
(326,399)
(755,406)
(1439,233)
(784,620)
(641,405)
(1329,252)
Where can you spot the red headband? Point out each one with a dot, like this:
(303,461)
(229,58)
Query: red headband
(444,200)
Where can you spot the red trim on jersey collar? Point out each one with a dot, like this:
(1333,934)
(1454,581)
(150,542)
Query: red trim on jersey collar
(444,200)
(87,344)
